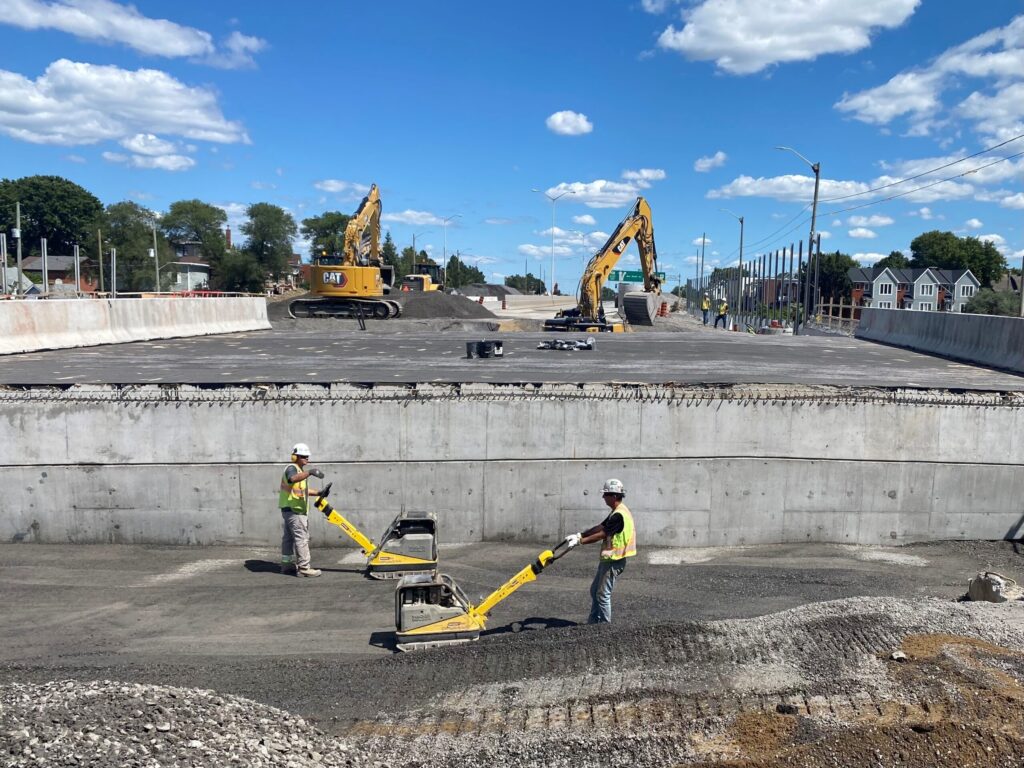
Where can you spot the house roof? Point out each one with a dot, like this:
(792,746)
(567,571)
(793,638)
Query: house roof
(55,263)
(908,275)
(12,281)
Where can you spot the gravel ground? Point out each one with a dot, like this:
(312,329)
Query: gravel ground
(812,686)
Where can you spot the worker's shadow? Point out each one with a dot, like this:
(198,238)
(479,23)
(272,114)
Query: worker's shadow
(530,625)
(266,566)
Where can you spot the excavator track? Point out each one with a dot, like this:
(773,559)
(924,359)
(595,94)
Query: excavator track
(639,307)
(379,309)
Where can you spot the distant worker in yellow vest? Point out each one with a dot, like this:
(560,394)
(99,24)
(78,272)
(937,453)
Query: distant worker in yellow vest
(705,307)
(294,502)
(617,535)
(723,311)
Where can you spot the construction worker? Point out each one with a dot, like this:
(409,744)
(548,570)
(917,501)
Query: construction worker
(723,311)
(617,535)
(294,502)
(705,307)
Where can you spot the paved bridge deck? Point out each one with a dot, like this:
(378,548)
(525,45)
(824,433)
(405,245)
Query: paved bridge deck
(303,355)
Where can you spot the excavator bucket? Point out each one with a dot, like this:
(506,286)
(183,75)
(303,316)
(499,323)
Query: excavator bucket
(640,308)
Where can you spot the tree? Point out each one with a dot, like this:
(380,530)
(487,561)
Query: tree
(269,230)
(388,251)
(527,284)
(241,271)
(944,250)
(193,221)
(51,207)
(833,276)
(895,260)
(326,232)
(128,227)
(458,273)
(989,302)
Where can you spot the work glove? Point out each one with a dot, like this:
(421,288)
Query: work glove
(573,540)
(315,472)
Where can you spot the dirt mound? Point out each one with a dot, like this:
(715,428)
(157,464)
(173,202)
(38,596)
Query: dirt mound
(418,305)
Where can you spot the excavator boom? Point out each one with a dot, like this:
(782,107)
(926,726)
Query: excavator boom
(362,234)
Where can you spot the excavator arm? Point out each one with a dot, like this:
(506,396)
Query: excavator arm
(362,235)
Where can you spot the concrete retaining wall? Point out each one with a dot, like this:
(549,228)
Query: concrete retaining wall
(181,465)
(981,339)
(29,326)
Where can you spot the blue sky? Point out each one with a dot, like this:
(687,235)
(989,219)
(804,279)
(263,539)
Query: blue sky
(459,110)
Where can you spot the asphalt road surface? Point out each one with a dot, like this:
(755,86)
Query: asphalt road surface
(293,355)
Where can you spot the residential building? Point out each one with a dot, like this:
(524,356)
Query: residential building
(60,273)
(28,288)
(926,289)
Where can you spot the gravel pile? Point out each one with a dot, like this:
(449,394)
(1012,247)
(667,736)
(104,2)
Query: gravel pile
(420,305)
(72,723)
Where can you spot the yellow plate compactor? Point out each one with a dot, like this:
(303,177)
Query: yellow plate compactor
(408,546)
(431,610)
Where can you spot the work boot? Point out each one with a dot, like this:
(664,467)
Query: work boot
(288,569)
(309,572)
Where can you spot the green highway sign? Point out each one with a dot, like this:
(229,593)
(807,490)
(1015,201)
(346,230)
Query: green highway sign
(624,276)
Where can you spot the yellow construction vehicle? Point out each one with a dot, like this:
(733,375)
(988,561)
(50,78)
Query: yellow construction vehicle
(408,546)
(639,306)
(426,277)
(354,282)
(431,610)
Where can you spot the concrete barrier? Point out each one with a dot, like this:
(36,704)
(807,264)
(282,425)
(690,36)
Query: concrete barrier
(30,326)
(981,339)
(188,465)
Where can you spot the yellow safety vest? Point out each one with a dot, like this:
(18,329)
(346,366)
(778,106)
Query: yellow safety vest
(293,496)
(705,303)
(723,308)
(623,543)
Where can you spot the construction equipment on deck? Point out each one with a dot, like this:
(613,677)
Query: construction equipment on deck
(425,277)
(639,307)
(354,283)
(408,546)
(431,610)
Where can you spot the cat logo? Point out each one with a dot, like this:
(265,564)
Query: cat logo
(335,278)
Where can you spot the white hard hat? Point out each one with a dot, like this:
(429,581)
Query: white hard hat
(301,449)
(613,486)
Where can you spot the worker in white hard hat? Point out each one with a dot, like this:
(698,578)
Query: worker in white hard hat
(294,502)
(617,535)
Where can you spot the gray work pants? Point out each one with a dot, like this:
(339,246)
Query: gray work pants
(601,590)
(295,539)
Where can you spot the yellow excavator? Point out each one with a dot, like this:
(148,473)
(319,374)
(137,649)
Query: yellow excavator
(353,283)
(408,546)
(431,610)
(639,307)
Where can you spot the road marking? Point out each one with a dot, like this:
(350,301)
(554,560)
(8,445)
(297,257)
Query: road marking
(190,570)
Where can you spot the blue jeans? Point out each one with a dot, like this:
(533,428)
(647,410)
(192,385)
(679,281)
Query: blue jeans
(705,311)
(601,590)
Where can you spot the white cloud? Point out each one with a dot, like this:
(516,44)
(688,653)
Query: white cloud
(745,36)
(794,188)
(924,213)
(74,103)
(602,193)
(262,185)
(997,240)
(995,56)
(868,259)
(973,224)
(656,6)
(348,189)
(862,233)
(870,221)
(705,164)
(837,222)
(74,158)
(699,240)
(586,220)
(170,162)
(110,22)
(415,218)
(825,234)
(1013,201)
(148,144)
(540,252)
(569,123)
(497,221)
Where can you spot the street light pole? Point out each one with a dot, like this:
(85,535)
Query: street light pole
(816,167)
(555,199)
(739,289)
(156,260)
(445,223)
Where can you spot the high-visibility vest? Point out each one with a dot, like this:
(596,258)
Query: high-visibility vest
(293,496)
(705,303)
(722,307)
(623,543)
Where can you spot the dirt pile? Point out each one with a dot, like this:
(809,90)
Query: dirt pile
(114,724)
(426,305)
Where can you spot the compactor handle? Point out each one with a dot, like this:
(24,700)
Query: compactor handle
(560,551)
(326,491)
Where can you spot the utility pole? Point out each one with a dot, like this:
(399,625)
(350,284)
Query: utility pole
(1020,285)
(816,167)
(46,272)
(703,242)
(3,258)
(113,273)
(99,253)
(78,270)
(156,261)
(17,234)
